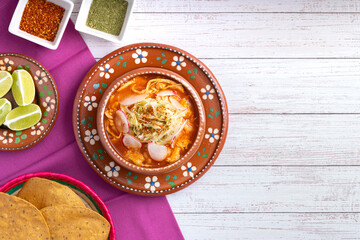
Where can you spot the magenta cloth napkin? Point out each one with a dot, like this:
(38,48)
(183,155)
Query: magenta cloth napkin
(135,217)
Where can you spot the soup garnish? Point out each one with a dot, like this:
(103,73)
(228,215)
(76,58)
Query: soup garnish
(151,121)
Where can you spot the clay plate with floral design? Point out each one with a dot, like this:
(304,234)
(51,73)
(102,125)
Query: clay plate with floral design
(119,63)
(47,97)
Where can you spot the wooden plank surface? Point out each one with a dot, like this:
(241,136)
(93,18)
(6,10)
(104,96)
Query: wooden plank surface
(269,226)
(241,6)
(290,168)
(243,35)
(272,189)
(278,86)
(309,139)
(289,85)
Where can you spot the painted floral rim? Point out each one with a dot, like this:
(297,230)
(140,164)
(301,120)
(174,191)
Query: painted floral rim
(92,200)
(88,138)
(48,101)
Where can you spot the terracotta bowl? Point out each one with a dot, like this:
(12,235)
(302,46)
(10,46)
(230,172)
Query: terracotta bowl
(104,138)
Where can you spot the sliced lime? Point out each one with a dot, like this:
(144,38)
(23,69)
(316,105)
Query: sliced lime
(23,88)
(6,82)
(5,108)
(23,117)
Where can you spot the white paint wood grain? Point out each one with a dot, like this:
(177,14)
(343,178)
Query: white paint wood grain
(289,85)
(290,168)
(236,35)
(292,140)
(271,189)
(269,226)
(278,86)
(241,6)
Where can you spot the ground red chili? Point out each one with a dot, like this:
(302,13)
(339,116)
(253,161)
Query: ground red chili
(42,19)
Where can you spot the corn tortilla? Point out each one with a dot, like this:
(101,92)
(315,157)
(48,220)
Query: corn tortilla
(20,219)
(75,223)
(44,193)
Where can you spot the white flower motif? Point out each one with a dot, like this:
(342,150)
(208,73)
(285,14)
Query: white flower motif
(106,71)
(178,62)
(212,135)
(140,56)
(49,103)
(208,92)
(188,170)
(112,170)
(40,77)
(7,64)
(151,183)
(91,136)
(37,129)
(89,103)
(7,138)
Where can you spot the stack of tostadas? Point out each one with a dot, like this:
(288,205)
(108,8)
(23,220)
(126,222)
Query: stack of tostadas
(44,210)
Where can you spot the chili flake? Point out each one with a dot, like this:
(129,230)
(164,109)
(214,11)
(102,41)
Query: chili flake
(42,19)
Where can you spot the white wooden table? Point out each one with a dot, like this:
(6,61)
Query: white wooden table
(290,70)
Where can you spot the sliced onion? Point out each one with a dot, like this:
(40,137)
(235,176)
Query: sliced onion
(173,142)
(132,99)
(176,104)
(166,93)
(131,142)
(177,130)
(157,152)
(177,133)
(121,122)
(180,129)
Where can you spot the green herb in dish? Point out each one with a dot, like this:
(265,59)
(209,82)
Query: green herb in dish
(107,15)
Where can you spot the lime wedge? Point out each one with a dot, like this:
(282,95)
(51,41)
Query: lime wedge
(6,82)
(23,117)
(23,88)
(5,108)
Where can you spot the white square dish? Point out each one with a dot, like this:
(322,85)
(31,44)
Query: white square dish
(14,26)
(83,15)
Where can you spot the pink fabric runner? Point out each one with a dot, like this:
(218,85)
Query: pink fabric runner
(135,217)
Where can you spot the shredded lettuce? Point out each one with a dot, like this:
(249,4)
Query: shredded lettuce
(154,120)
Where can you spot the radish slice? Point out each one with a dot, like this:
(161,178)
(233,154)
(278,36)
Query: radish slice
(157,152)
(121,122)
(166,93)
(132,99)
(176,104)
(131,142)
